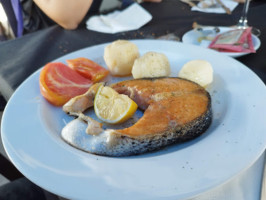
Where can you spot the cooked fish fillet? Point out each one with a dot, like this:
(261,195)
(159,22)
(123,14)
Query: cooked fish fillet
(176,110)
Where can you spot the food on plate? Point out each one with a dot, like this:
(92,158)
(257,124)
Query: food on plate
(151,64)
(93,127)
(199,71)
(237,40)
(111,107)
(119,57)
(175,110)
(80,103)
(59,83)
(88,68)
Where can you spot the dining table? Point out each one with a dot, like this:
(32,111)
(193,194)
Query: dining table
(23,56)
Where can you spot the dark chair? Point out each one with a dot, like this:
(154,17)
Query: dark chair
(19,187)
(8,170)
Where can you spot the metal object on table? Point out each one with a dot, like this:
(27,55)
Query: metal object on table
(243,21)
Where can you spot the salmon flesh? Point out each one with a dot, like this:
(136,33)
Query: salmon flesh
(175,110)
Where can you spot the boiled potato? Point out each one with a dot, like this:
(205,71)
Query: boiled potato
(199,71)
(119,57)
(151,64)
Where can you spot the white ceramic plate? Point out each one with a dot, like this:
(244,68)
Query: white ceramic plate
(31,137)
(191,37)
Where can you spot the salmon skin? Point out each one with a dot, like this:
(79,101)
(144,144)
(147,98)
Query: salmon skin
(175,110)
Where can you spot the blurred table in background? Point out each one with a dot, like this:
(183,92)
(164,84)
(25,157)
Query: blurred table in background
(19,58)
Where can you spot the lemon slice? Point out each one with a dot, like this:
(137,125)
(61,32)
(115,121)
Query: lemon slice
(111,107)
(199,71)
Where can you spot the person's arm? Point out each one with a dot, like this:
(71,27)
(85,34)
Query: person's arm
(66,13)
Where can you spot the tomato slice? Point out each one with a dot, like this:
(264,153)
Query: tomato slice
(59,83)
(88,68)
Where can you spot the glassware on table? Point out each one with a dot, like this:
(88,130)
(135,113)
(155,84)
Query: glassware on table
(243,21)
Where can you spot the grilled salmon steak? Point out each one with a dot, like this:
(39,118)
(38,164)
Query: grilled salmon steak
(175,110)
